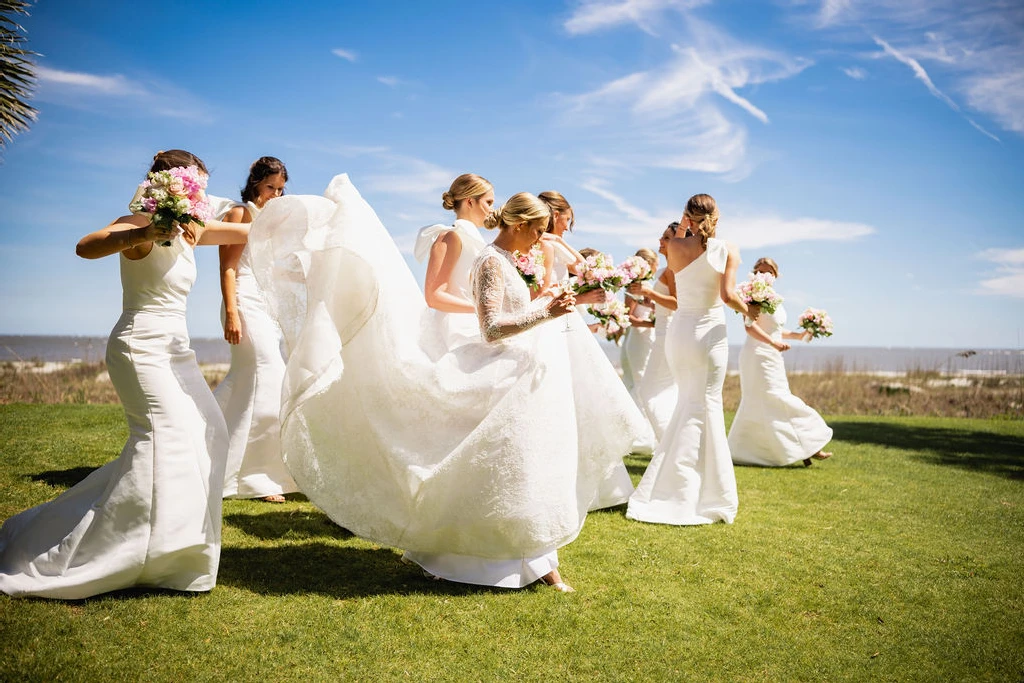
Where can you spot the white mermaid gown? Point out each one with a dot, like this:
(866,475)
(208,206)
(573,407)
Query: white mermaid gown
(636,349)
(250,395)
(470,454)
(690,479)
(443,331)
(152,517)
(772,428)
(608,421)
(657,392)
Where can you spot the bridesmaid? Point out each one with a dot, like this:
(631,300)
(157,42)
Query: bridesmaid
(607,419)
(636,347)
(152,516)
(690,479)
(250,394)
(773,428)
(452,249)
(657,390)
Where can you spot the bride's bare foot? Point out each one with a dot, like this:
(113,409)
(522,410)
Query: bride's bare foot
(822,455)
(554,579)
(273,498)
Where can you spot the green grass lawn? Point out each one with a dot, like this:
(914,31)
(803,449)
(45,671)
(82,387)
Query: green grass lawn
(899,559)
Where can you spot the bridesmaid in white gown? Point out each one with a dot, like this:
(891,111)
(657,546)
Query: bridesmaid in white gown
(607,418)
(452,250)
(152,516)
(250,394)
(690,479)
(639,336)
(773,428)
(469,462)
(657,390)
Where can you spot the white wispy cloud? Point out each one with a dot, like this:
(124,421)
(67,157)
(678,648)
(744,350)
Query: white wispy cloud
(390,81)
(856,73)
(350,55)
(919,72)
(93,92)
(1008,280)
(675,115)
(596,15)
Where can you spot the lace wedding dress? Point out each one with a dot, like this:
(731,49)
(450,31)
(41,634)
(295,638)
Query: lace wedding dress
(471,454)
(690,479)
(152,516)
(772,427)
(250,395)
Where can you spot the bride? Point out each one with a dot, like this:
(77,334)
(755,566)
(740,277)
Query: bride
(470,461)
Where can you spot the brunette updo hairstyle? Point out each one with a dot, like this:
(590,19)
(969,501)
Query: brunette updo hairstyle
(172,158)
(520,208)
(703,211)
(466,186)
(259,171)
(557,203)
(768,263)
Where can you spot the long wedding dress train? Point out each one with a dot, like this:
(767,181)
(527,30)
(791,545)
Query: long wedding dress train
(472,453)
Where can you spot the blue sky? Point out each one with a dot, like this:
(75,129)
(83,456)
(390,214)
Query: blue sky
(874,148)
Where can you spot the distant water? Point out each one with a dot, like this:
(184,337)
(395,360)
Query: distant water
(801,358)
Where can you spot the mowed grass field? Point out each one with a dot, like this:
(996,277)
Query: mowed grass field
(899,559)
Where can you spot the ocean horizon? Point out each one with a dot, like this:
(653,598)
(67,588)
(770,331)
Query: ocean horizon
(807,358)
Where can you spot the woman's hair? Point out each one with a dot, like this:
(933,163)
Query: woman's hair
(702,210)
(649,256)
(587,252)
(173,158)
(520,208)
(673,226)
(466,186)
(768,263)
(260,170)
(557,203)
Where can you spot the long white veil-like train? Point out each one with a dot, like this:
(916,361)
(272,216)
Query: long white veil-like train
(472,451)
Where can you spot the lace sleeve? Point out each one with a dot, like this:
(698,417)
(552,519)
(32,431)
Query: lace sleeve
(489,292)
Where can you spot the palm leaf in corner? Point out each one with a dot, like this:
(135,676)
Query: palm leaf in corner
(16,72)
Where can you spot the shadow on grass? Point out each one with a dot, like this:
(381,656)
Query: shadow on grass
(63,478)
(287,524)
(999,454)
(332,570)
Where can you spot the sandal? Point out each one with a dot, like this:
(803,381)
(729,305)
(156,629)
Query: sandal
(808,462)
(562,587)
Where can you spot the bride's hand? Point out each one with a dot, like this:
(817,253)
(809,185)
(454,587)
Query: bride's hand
(593,296)
(161,233)
(562,304)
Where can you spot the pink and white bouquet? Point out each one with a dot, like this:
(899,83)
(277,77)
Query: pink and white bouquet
(613,316)
(597,272)
(177,195)
(758,291)
(635,269)
(815,323)
(531,266)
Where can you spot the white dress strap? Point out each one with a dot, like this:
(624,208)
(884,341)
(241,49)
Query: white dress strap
(718,254)
(467,232)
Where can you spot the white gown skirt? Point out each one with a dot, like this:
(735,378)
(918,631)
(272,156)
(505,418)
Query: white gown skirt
(773,428)
(636,349)
(151,517)
(690,479)
(250,397)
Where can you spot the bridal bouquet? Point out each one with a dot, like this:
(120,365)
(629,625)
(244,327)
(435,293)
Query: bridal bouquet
(177,195)
(597,272)
(758,291)
(816,323)
(635,269)
(614,318)
(530,266)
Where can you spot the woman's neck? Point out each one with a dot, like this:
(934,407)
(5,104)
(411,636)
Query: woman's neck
(464,217)
(509,242)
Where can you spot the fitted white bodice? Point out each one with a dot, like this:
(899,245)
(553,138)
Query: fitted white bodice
(698,284)
(159,282)
(772,323)
(661,314)
(472,244)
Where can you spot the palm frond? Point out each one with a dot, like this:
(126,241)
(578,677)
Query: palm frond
(17,72)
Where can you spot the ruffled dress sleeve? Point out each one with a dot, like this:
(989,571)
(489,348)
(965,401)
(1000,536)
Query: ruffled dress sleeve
(426,238)
(489,292)
(718,254)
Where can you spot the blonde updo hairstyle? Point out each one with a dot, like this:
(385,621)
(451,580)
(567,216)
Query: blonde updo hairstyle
(466,186)
(520,208)
(557,203)
(768,263)
(703,211)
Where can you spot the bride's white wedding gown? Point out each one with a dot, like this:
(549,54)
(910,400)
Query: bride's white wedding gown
(250,395)
(472,454)
(151,517)
(690,479)
(772,427)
